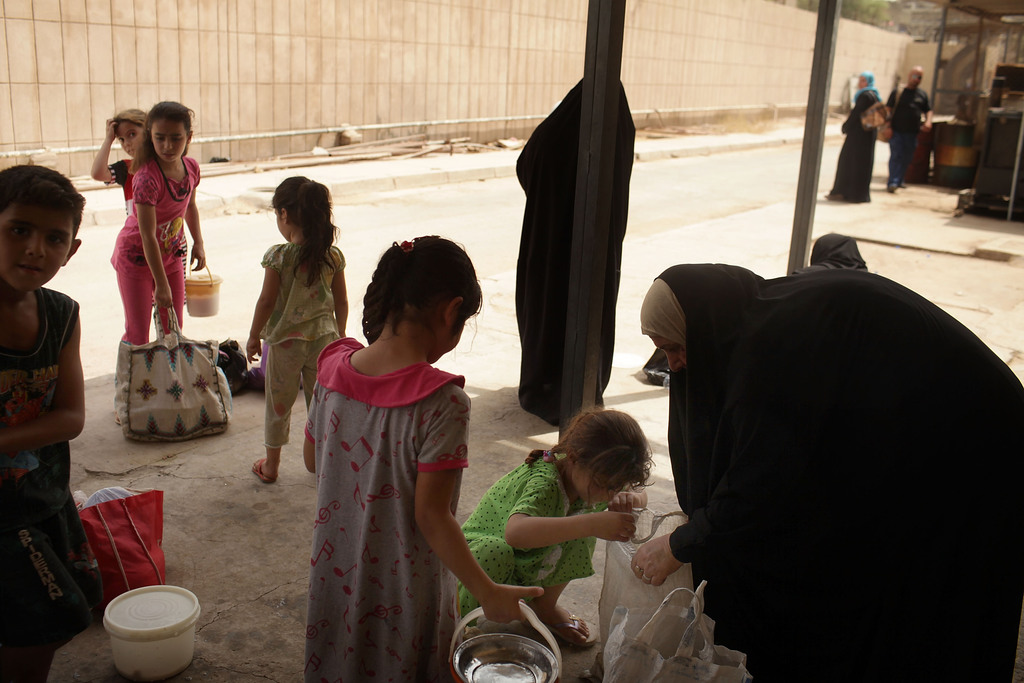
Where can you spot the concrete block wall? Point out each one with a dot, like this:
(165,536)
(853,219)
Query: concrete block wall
(256,66)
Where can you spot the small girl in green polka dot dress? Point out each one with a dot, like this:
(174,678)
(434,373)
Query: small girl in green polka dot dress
(538,525)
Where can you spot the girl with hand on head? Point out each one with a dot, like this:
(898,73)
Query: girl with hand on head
(149,249)
(387,437)
(532,527)
(302,308)
(127,128)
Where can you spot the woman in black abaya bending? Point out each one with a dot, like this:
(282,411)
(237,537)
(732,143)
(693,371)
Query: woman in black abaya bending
(850,458)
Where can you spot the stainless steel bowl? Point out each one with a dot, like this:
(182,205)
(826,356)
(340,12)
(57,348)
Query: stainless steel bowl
(504,658)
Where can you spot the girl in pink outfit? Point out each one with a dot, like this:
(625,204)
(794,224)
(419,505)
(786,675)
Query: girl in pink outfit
(149,249)
(387,438)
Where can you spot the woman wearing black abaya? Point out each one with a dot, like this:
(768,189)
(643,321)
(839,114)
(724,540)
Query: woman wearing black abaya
(832,252)
(547,172)
(857,158)
(850,458)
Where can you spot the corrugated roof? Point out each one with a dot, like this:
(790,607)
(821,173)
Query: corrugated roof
(993,9)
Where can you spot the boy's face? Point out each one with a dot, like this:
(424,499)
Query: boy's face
(35,241)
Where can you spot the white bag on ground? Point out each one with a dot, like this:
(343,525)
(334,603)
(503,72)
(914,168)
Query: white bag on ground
(621,587)
(170,389)
(674,644)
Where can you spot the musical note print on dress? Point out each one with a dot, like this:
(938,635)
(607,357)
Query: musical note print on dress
(372,575)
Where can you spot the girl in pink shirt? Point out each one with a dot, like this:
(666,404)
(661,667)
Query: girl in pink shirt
(149,249)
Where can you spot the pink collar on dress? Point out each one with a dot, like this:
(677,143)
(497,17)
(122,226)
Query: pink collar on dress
(399,388)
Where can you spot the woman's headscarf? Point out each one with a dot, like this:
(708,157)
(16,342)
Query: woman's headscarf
(870,78)
(662,316)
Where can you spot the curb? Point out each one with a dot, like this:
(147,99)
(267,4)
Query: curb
(259,199)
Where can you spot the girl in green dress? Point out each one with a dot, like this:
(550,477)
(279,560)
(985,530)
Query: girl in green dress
(538,525)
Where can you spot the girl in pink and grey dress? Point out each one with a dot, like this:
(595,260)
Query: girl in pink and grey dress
(387,438)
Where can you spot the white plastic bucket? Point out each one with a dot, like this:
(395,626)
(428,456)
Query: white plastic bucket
(202,294)
(152,631)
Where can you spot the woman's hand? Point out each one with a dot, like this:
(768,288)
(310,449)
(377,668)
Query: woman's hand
(612,526)
(198,256)
(654,561)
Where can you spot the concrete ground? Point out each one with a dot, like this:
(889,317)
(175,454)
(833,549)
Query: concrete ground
(242,547)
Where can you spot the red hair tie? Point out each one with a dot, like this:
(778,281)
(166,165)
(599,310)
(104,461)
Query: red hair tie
(406,246)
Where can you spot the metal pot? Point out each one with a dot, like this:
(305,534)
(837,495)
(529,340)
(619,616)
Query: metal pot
(504,657)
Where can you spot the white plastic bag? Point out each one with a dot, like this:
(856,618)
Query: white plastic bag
(621,587)
(675,644)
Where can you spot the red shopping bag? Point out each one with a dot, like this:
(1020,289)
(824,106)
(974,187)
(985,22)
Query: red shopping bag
(126,535)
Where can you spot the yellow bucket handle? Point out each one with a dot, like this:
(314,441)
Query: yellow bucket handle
(208,272)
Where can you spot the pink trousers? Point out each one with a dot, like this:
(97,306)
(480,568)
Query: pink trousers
(136,285)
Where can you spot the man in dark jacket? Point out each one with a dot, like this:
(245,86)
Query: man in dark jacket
(908,106)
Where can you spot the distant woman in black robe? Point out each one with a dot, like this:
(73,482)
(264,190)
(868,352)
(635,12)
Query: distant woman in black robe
(851,459)
(547,172)
(857,158)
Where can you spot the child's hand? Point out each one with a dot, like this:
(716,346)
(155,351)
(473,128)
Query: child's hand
(198,256)
(253,349)
(162,295)
(111,129)
(613,526)
(625,501)
(502,605)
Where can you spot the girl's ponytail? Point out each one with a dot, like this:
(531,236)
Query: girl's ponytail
(412,276)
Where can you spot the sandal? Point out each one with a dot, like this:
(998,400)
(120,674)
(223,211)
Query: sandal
(571,632)
(257,469)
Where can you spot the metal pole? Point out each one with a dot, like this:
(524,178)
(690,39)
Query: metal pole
(814,132)
(938,55)
(592,208)
(1016,168)
(976,75)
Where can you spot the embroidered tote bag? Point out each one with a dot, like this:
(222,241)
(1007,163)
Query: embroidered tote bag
(171,389)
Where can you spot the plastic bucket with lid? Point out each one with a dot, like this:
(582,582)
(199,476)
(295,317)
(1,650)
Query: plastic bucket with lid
(202,294)
(152,631)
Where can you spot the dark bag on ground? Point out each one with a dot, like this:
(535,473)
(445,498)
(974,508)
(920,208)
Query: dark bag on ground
(656,369)
(232,361)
